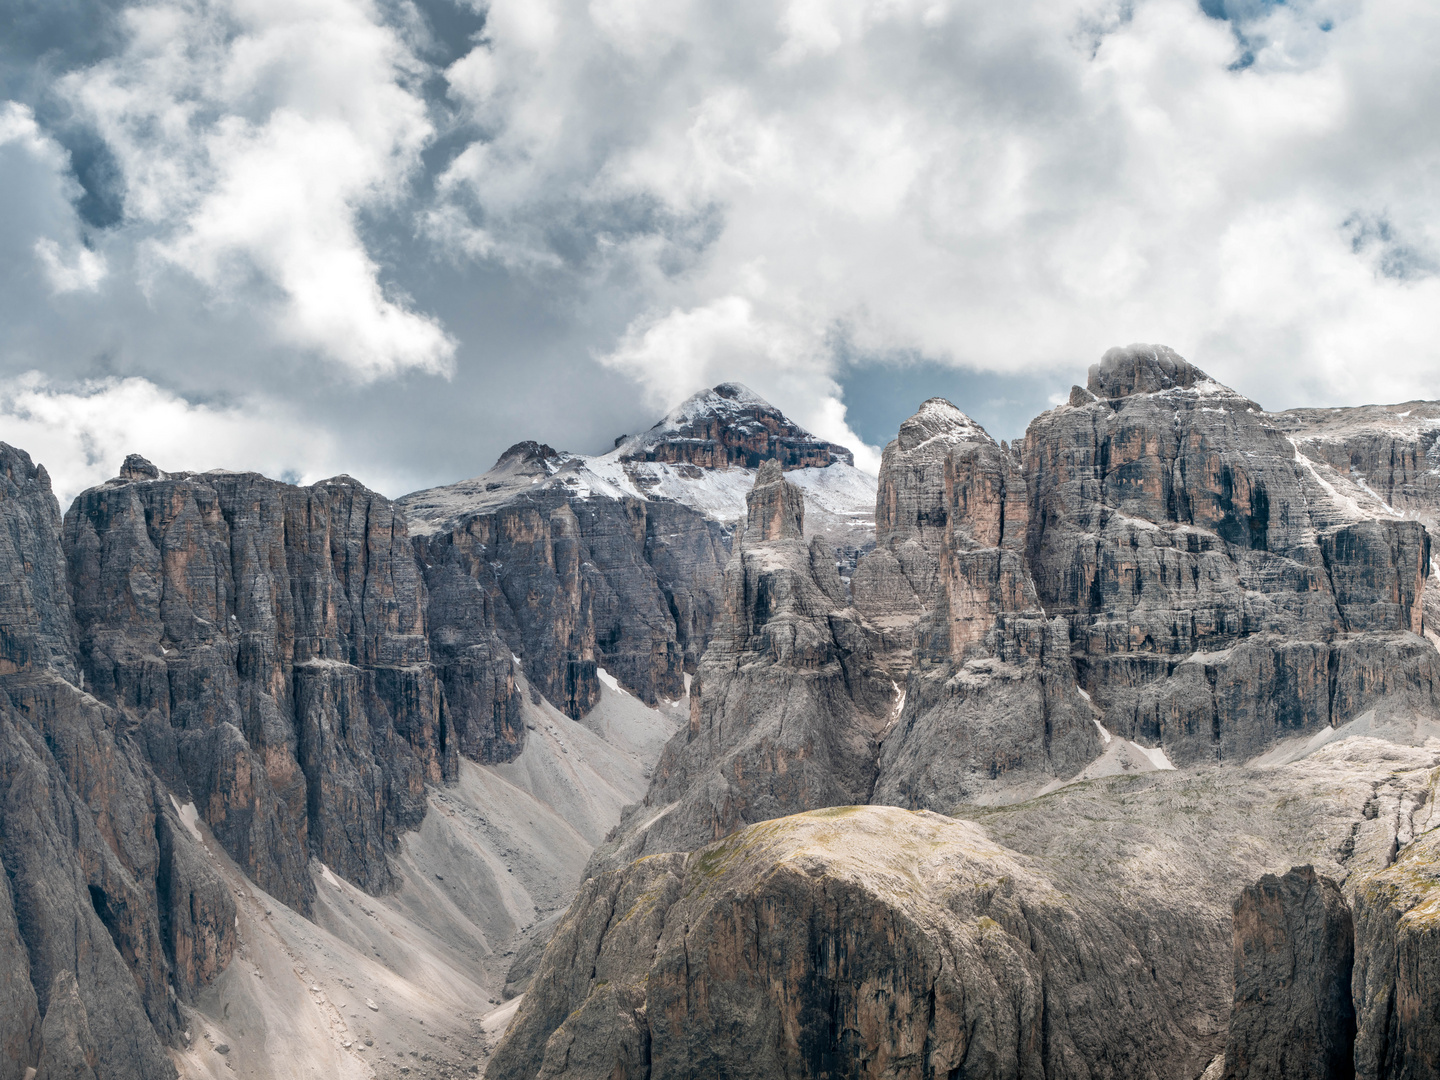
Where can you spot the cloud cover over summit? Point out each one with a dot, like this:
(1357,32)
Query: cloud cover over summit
(391,237)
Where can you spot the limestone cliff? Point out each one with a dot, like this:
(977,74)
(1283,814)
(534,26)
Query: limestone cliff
(788,703)
(269,643)
(990,701)
(1221,592)
(1293,1018)
(107,913)
(1397,966)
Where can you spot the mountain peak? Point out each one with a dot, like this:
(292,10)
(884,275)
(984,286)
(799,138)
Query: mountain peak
(1142,369)
(937,418)
(731,425)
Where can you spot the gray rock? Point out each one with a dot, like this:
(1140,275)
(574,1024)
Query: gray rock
(1293,1018)
(1397,966)
(69,1052)
(728,426)
(787,705)
(990,703)
(19,1013)
(280,634)
(1173,523)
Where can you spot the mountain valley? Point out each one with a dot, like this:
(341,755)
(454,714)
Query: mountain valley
(715,756)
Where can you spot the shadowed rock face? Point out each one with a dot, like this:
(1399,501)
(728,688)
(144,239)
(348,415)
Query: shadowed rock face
(270,642)
(106,906)
(570,585)
(1294,954)
(853,942)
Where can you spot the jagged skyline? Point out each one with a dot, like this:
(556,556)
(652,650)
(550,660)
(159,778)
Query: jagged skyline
(334,235)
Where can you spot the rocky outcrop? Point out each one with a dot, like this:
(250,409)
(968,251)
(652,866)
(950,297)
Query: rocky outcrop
(857,941)
(271,643)
(570,585)
(990,700)
(1221,591)
(1397,966)
(616,561)
(729,426)
(1293,1018)
(108,914)
(788,703)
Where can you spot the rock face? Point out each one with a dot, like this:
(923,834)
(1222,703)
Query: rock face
(1221,592)
(1159,559)
(1397,967)
(730,425)
(572,584)
(108,913)
(787,705)
(616,561)
(270,643)
(859,941)
(1293,1018)
(990,698)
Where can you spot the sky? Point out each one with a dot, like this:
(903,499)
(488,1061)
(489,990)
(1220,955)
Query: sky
(392,237)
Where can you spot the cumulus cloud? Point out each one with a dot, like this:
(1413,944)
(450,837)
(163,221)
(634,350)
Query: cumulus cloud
(595,194)
(250,136)
(1006,187)
(82,432)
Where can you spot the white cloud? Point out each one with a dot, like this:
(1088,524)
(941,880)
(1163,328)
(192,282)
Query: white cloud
(251,135)
(49,182)
(1010,187)
(82,273)
(81,433)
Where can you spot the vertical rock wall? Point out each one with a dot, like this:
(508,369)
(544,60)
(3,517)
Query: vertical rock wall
(1293,1018)
(106,906)
(271,643)
(570,585)
(1221,594)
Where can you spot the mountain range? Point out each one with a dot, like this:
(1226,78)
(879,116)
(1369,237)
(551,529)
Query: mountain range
(1108,753)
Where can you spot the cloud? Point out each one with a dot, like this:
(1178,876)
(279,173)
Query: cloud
(1009,187)
(82,432)
(42,180)
(251,136)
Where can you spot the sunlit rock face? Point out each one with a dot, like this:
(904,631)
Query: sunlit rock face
(1222,592)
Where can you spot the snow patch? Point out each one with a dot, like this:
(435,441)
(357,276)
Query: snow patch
(611,682)
(189,817)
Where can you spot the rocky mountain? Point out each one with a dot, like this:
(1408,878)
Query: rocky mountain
(582,562)
(1110,753)
(217,682)
(1161,574)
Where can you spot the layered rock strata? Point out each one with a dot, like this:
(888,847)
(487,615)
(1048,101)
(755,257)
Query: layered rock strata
(1221,592)
(1293,1018)
(990,699)
(788,704)
(108,913)
(570,584)
(269,643)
